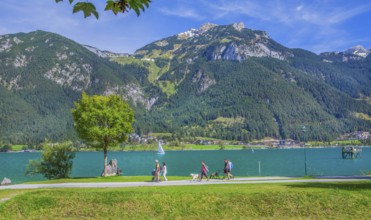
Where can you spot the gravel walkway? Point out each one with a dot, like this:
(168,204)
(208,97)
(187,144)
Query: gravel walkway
(252,180)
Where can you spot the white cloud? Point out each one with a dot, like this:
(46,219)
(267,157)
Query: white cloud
(277,11)
(182,12)
(299,8)
(343,14)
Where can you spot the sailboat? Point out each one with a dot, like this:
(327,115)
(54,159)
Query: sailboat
(160,149)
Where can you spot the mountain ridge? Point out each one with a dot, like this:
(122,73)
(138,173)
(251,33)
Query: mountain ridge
(221,81)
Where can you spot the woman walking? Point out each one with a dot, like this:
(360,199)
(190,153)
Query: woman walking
(204,170)
(164,170)
(157,171)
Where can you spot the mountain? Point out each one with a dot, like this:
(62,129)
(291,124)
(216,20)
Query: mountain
(222,81)
(213,42)
(358,50)
(42,74)
(355,53)
(236,83)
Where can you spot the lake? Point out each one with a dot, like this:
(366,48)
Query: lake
(273,162)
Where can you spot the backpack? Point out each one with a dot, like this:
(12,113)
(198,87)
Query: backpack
(230,165)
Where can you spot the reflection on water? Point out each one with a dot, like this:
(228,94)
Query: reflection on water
(274,162)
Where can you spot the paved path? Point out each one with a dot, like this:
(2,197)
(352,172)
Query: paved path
(247,180)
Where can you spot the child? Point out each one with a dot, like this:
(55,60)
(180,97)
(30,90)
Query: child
(164,170)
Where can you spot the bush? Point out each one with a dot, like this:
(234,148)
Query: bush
(221,145)
(56,161)
(5,148)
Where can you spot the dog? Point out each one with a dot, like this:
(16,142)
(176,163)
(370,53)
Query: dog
(214,175)
(194,176)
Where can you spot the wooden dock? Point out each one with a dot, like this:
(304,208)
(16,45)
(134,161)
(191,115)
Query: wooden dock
(351,152)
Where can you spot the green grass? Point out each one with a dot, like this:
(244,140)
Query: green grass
(250,201)
(106,179)
(167,87)
(229,121)
(362,116)
(333,143)
(212,147)
(155,72)
(153,147)
(17,147)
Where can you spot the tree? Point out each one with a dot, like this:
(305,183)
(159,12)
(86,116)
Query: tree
(116,6)
(56,161)
(103,121)
(5,148)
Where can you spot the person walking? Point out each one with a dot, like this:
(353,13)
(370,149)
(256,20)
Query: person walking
(157,171)
(230,166)
(226,168)
(204,170)
(164,170)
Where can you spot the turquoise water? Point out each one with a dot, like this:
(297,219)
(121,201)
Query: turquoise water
(273,162)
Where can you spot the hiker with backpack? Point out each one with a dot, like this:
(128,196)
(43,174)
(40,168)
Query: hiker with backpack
(230,166)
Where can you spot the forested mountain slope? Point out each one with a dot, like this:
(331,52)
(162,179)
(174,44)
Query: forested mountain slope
(41,75)
(235,83)
(222,81)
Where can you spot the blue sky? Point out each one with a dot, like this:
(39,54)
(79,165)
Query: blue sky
(317,25)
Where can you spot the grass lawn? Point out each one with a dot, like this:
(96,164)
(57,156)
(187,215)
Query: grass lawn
(154,147)
(250,201)
(107,179)
(18,147)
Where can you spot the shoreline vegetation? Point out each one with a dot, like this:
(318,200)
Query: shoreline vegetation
(191,147)
(345,200)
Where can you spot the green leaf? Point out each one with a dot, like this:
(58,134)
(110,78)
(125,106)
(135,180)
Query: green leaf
(110,5)
(87,8)
(95,13)
(138,5)
(62,1)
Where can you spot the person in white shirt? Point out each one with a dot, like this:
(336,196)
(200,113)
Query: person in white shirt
(164,170)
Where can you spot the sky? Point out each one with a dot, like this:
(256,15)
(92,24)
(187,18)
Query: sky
(316,25)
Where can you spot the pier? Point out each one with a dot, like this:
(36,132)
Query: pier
(351,152)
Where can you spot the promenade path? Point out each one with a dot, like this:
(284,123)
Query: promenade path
(247,180)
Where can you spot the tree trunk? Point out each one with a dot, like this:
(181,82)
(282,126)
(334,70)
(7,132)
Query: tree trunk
(105,160)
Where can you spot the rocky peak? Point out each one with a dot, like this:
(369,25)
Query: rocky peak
(239,26)
(196,32)
(205,27)
(104,53)
(218,43)
(358,50)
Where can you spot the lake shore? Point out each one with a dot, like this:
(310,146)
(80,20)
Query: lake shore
(198,148)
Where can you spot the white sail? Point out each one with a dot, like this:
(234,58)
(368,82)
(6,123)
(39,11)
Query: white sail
(160,149)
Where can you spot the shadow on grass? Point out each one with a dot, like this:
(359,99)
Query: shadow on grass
(351,186)
(77,178)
